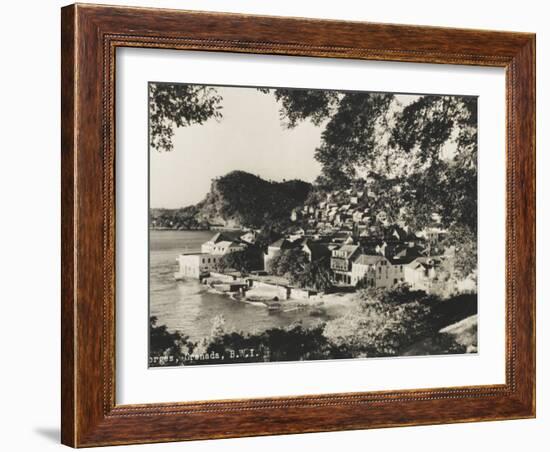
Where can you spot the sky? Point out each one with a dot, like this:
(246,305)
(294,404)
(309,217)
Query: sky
(249,137)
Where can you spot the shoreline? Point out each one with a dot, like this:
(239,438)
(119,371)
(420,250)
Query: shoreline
(315,302)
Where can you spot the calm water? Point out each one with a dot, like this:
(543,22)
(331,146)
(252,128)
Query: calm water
(187,306)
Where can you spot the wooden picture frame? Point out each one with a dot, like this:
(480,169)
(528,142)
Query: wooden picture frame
(90,35)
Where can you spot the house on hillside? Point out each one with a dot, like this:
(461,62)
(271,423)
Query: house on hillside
(396,233)
(421,273)
(313,249)
(341,261)
(249,237)
(223,242)
(344,207)
(434,235)
(340,236)
(357,216)
(384,266)
(364,269)
(296,233)
(433,275)
(382,218)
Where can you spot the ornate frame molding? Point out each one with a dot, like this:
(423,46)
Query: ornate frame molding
(90,37)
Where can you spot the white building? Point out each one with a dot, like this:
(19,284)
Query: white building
(196,265)
(429,274)
(376,271)
(363,269)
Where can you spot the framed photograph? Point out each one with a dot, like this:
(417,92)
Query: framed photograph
(280,225)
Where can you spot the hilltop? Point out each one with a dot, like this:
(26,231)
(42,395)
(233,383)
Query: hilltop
(238,199)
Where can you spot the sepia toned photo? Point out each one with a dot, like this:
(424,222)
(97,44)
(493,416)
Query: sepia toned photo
(292,224)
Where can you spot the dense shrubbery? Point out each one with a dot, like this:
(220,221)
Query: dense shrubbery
(294,343)
(288,264)
(186,218)
(294,265)
(166,348)
(243,261)
(464,243)
(379,324)
(315,275)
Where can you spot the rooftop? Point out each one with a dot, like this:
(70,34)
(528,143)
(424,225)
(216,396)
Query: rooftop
(368,259)
(403,255)
(226,236)
(348,249)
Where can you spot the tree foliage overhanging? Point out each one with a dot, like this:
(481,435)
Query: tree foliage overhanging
(179,105)
(422,147)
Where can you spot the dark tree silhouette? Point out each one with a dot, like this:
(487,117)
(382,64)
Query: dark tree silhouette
(178,105)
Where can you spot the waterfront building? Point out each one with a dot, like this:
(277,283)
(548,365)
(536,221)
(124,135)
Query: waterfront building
(196,265)
(199,265)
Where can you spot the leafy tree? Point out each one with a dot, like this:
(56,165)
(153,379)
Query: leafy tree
(463,243)
(290,263)
(439,136)
(178,105)
(302,104)
(379,328)
(243,261)
(399,294)
(166,348)
(294,343)
(417,159)
(315,275)
(430,121)
(350,141)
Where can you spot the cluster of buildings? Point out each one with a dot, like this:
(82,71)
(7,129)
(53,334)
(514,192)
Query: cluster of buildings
(382,261)
(340,234)
(344,210)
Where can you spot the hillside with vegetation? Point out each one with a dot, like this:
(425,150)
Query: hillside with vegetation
(238,199)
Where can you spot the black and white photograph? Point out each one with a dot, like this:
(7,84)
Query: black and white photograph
(295,224)
(275,226)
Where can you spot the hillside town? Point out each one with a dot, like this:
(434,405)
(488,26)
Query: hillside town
(355,247)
